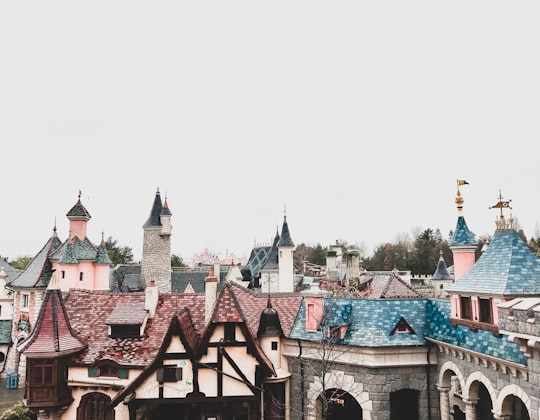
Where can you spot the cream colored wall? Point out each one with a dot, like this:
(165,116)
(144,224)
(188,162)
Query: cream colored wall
(121,410)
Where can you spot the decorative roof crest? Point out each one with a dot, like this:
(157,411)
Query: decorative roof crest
(501,221)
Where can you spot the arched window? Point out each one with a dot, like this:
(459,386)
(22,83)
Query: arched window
(93,406)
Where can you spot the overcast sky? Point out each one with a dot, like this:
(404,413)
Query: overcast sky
(355,118)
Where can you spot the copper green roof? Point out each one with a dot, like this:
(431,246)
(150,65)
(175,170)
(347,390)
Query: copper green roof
(74,250)
(507,268)
(78,211)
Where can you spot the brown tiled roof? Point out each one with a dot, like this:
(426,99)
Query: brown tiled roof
(52,335)
(252,304)
(89,311)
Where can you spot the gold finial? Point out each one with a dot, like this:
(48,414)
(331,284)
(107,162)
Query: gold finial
(501,222)
(459,199)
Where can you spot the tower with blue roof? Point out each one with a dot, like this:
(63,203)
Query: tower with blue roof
(463,242)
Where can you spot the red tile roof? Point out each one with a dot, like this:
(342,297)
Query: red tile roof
(89,310)
(52,335)
(252,304)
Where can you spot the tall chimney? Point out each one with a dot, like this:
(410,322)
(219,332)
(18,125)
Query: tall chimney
(151,298)
(210,292)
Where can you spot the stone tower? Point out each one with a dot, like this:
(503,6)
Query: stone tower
(156,254)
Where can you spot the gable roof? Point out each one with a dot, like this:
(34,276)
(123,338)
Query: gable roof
(253,304)
(52,335)
(180,325)
(385,286)
(38,273)
(507,268)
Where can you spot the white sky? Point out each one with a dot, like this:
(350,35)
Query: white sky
(356,117)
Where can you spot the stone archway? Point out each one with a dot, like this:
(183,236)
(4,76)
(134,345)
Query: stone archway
(337,404)
(451,381)
(479,396)
(337,380)
(514,403)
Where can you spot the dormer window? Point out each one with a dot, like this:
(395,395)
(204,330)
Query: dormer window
(485,310)
(127,320)
(125,331)
(402,327)
(466,307)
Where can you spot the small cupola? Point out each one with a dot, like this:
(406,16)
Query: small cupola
(269,324)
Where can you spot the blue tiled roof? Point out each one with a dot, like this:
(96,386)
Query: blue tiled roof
(462,234)
(480,341)
(507,268)
(371,321)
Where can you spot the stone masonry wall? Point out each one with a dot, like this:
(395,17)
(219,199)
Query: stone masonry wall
(156,259)
(375,384)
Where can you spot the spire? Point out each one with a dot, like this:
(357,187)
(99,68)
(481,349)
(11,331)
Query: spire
(157,207)
(501,222)
(462,235)
(441,273)
(285,239)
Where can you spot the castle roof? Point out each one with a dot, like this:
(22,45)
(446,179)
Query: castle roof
(370,322)
(441,273)
(52,335)
(462,235)
(507,268)
(154,219)
(38,273)
(78,211)
(285,239)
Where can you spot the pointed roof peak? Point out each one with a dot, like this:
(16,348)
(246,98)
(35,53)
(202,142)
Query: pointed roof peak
(78,211)
(157,207)
(285,239)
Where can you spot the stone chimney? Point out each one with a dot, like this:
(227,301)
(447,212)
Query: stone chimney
(210,292)
(151,298)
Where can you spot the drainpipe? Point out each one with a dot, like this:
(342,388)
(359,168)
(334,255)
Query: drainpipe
(302,377)
(428,380)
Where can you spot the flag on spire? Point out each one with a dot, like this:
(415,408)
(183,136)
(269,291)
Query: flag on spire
(462,182)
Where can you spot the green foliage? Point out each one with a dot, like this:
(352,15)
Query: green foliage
(21,262)
(18,412)
(118,254)
(177,261)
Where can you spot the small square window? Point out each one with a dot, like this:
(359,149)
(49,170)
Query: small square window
(230,332)
(274,345)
